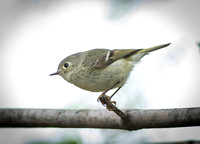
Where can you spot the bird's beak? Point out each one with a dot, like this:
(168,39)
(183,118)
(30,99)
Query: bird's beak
(56,73)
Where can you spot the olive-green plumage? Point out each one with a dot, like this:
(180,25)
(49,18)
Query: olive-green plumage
(101,69)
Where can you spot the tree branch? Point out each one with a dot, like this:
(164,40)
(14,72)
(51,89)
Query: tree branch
(138,119)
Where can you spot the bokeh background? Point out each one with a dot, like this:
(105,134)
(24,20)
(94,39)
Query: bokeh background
(35,35)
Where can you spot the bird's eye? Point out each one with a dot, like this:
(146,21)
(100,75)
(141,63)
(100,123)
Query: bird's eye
(66,65)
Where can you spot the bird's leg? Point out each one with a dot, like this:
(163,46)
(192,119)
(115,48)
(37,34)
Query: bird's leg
(104,93)
(107,97)
(115,92)
(114,102)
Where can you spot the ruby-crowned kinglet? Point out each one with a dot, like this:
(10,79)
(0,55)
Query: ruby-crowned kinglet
(99,70)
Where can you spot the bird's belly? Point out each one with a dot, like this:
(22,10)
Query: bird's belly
(114,75)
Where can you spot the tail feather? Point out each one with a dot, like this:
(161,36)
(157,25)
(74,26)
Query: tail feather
(153,48)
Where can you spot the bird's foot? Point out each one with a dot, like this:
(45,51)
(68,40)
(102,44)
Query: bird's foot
(106,101)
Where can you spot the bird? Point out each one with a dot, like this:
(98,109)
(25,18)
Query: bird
(100,70)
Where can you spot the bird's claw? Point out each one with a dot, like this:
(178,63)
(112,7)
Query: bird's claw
(106,101)
(113,102)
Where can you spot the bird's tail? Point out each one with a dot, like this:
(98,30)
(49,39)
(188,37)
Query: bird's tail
(153,48)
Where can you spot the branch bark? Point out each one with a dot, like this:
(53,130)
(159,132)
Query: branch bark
(138,119)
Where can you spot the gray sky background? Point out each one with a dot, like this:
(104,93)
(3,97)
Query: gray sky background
(35,35)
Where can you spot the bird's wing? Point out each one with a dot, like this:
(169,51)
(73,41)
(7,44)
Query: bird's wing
(111,56)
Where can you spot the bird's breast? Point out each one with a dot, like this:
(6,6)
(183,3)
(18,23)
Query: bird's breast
(97,80)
